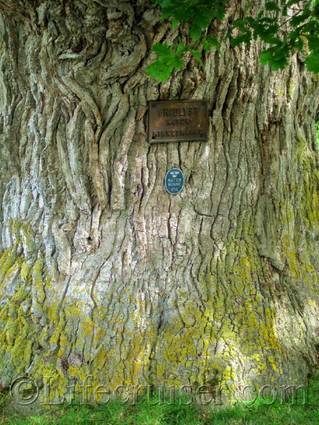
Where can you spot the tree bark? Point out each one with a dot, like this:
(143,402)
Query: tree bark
(102,272)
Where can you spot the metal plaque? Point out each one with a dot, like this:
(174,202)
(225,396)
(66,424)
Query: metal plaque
(177,121)
(174,181)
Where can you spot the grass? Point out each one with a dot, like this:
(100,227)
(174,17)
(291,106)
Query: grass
(152,412)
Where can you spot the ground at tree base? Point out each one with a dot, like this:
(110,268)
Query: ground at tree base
(300,410)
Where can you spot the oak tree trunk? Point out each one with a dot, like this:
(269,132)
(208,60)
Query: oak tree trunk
(103,273)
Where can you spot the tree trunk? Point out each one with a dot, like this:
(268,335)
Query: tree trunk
(104,274)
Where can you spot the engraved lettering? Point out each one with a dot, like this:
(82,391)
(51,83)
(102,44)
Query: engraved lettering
(183,120)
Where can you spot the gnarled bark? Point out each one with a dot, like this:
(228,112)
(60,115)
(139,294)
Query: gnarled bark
(102,273)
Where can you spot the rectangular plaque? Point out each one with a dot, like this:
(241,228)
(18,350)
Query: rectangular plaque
(177,121)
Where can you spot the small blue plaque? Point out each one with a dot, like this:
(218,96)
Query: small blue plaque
(174,181)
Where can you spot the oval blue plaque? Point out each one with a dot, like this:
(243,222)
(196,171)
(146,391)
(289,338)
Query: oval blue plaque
(174,181)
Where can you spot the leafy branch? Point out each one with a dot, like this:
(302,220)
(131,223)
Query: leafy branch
(282,38)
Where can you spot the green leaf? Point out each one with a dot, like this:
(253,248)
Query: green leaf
(211,43)
(175,23)
(197,55)
(181,49)
(195,32)
(176,62)
(313,42)
(239,23)
(275,57)
(272,6)
(295,40)
(159,70)
(312,62)
(168,59)
(297,20)
(162,50)
(265,57)
(267,33)
(315,8)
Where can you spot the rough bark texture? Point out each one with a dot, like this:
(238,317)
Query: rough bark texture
(101,272)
